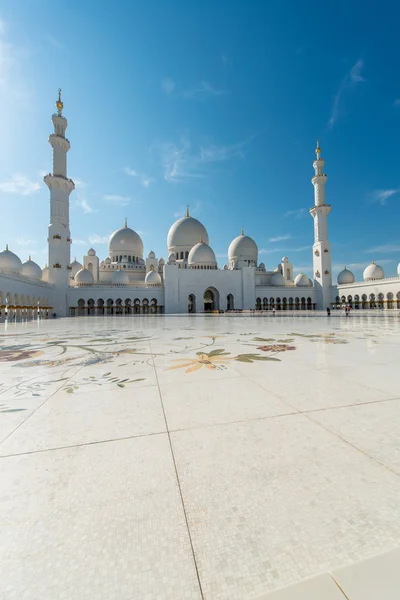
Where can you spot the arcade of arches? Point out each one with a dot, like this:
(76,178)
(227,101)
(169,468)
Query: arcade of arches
(22,306)
(370,301)
(285,303)
(118,307)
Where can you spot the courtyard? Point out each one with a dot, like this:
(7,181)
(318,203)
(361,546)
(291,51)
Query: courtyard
(189,457)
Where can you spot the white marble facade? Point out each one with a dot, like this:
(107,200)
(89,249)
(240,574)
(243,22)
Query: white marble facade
(127,282)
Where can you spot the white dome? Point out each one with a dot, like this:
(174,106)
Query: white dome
(31,269)
(91,252)
(151,254)
(373,271)
(302,280)
(202,254)
(285,259)
(10,262)
(107,260)
(277,279)
(310,283)
(172,257)
(153,278)
(84,277)
(243,247)
(161,262)
(45,273)
(345,276)
(75,267)
(261,266)
(185,233)
(120,277)
(125,241)
(226,268)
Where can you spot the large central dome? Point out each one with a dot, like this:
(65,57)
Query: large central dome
(125,241)
(186,233)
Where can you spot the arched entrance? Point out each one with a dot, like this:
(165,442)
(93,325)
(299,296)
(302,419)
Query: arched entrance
(211,300)
(191,303)
(230,305)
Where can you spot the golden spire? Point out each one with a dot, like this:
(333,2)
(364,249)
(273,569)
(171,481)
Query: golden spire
(242,231)
(126,223)
(318,150)
(74,258)
(29,258)
(187,211)
(152,268)
(59,103)
(7,247)
(201,239)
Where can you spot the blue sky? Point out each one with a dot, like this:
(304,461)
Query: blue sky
(209,103)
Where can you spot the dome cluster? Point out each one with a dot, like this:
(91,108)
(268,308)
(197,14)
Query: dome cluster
(11,263)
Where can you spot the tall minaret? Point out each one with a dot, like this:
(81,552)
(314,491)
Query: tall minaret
(321,247)
(59,234)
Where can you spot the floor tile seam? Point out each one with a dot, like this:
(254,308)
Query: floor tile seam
(337,435)
(34,411)
(355,404)
(238,422)
(296,410)
(179,486)
(339,586)
(370,387)
(84,444)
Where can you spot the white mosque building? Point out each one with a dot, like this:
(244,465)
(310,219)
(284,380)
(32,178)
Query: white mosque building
(190,280)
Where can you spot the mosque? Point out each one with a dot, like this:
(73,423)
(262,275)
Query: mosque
(189,281)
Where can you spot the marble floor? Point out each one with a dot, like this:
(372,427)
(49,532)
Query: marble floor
(194,457)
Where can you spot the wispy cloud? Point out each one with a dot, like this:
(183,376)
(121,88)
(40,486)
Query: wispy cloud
(280,238)
(351,79)
(82,203)
(78,242)
(79,183)
(117,199)
(297,214)
(396,102)
(203,90)
(20,185)
(23,242)
(283,250)
(145,180)
(168,85)
(382,196)
(385,248)
(182,161)
(55,42)
(98,239)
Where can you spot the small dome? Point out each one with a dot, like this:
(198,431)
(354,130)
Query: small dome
(302,280)
(372,272)
(125,241)
(120,277)
(261,266)
(310,283)
(10,262)
(75,267)
(185,233)
(172,257)
(202,254)
(345,277)
(243,247)
(31,269)
(226,268)
(277,279)
(45,273)
(285,259)
(151,254)
(107,261)
(91,252)
(83,277)
(153,278)
(161,262)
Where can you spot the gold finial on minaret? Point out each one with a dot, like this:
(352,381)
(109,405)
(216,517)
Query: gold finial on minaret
(7,247)
(201,239)
(242,231)
(151,267)
(187,211)
(29,258)
(318,150)
(126,223)
(59,103)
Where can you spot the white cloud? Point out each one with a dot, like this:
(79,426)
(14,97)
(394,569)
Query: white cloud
(98,239)
(79,242)
(203,90)
(130,172)
(183,162)
(351,79)
(23,242)
(381,196)
(20,185)
(79,183)
(117,199)
(297,214)
(82,203)
(280,238)
(385,248)
(168,85)
(144,180)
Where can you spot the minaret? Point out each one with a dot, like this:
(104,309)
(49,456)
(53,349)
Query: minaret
(321,247)
(59,234)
